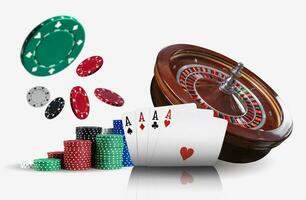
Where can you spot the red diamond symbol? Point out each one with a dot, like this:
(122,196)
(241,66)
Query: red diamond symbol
(142,126)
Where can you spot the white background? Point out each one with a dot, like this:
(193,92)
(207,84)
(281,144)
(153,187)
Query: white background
(268,36)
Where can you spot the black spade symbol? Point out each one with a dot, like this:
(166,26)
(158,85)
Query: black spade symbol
(155,125)
(129,131)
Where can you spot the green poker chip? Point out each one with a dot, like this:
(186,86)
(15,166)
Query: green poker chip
(46,164)
(109,167)
(109,137)
(52,46)
(109,160)
(114,150)
(109,155)
(109,145)
(46,161)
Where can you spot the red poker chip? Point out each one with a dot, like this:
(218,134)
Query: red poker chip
(84,164)
(109,97)
(77,155)
(80,151)
(77,149)
(89,66)
(77,160)
(77,168)
(79,102)
(77,164)
(55,154)
(77,143)
(84,152)
(72,154)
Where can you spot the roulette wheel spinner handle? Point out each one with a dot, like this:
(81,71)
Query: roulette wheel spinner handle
(227,86)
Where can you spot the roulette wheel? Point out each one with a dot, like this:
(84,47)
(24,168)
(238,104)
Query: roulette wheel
(258,120)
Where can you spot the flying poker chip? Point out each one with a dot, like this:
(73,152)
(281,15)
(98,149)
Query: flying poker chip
(89,66)
(38,96)
(52,46)
(55,108)
(109,97)
(79,102)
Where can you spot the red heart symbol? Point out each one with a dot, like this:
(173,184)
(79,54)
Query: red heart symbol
(186,178)
(167,122)
(186,153)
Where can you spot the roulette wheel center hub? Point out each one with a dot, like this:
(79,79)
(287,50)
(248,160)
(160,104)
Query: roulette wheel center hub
(221,96)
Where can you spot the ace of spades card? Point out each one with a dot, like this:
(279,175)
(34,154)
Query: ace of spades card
(129,126)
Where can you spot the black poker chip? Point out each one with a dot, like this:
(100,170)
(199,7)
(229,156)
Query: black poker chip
(55,108)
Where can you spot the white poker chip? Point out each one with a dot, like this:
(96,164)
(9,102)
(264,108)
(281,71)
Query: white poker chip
(38,96)
(26,165)
(107,130)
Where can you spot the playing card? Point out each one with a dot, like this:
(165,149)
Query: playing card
(142,129)
(195,139)
(129,125)
(159,117)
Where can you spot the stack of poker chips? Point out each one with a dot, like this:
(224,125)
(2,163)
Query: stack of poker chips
(58,155)
(47,164)
(118,129)
(89,133)
(109,149)
(77,154)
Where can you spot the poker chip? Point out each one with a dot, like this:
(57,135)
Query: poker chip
(88,130)
(47,164)
(77,143)
(118,129)
(89,133)
(117,123)
(109,97)
(107,131)
(26,165)
(109,151)
(77,154)
(79,102)
(38,96)
(52,46)
(109,167)
(58,155)
(55,108)
(89,66)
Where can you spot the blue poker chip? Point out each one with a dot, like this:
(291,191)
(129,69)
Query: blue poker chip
(117,123)
(118,131)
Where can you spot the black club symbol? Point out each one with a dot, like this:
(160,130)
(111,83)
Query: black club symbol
(155,125)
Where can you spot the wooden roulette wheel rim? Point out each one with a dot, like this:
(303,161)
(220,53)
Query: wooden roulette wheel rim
(247,138)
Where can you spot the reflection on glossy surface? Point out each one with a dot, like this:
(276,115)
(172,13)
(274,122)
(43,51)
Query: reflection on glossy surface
(174,182)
